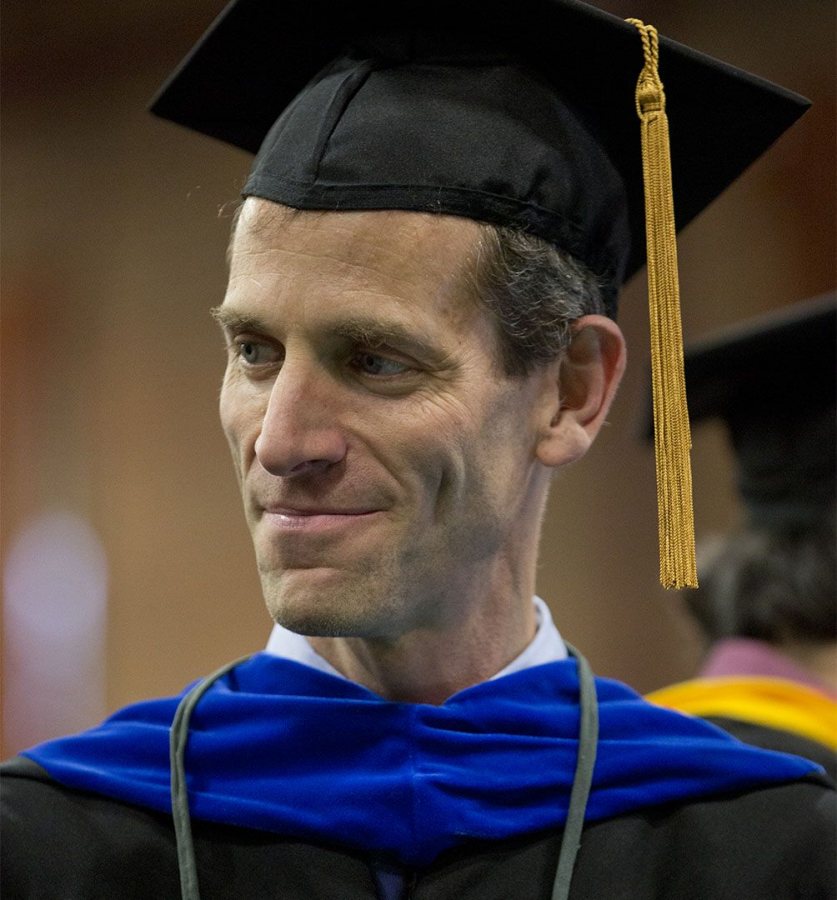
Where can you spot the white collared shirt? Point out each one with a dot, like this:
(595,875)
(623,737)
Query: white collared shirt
(546,646)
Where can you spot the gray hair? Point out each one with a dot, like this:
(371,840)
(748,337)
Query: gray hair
(775,586)
(534,292)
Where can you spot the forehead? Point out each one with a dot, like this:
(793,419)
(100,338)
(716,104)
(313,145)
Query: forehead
(392,249)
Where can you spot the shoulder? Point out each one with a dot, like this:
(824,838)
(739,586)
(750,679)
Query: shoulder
(776,841)
(91,845)
(76,845)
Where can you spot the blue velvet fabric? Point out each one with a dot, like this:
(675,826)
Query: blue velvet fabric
(282,747)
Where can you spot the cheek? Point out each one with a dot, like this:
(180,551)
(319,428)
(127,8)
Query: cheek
(499,448)
(450,455)
(241,417)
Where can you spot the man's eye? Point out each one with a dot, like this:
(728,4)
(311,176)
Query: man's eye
(373,364)
(254,353)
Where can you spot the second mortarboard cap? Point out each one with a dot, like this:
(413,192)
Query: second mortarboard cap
(520,114)
(773,382)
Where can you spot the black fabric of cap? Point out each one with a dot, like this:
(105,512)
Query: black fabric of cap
(498,156)
(520,114)
(773,381)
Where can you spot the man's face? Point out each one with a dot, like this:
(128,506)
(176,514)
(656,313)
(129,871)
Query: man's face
(386,464)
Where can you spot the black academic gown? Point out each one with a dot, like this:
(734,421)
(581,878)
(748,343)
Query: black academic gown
(773,843)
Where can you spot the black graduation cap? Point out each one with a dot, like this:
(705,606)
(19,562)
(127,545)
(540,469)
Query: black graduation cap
(773,382)
(516,113)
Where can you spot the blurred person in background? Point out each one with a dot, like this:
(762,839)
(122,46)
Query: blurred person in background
(767,602)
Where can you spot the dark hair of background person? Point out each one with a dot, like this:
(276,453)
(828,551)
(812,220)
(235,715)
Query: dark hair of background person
(777,586)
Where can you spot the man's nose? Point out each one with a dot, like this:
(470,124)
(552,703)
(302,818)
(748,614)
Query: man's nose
(300,433)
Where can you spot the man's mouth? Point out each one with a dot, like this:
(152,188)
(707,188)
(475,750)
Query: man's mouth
(315,518)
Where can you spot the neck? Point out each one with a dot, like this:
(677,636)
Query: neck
(428,665)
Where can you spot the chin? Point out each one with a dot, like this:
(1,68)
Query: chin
(326,603)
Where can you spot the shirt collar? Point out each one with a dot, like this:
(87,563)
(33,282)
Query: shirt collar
(546,646)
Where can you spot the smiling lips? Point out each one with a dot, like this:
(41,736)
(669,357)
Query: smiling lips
(314,519)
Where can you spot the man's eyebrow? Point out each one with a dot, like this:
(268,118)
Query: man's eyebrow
(374,333)
(230,320)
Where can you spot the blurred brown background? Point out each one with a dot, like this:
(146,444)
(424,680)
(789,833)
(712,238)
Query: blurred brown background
(127,565)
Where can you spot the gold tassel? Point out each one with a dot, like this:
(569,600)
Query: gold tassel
(672,438)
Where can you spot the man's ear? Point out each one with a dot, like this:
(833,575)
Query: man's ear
(584,384)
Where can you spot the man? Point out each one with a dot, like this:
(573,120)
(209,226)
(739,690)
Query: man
(432,234)
(766,602)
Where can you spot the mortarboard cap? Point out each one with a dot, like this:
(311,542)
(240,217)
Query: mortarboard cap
(520,114)
(773,382)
